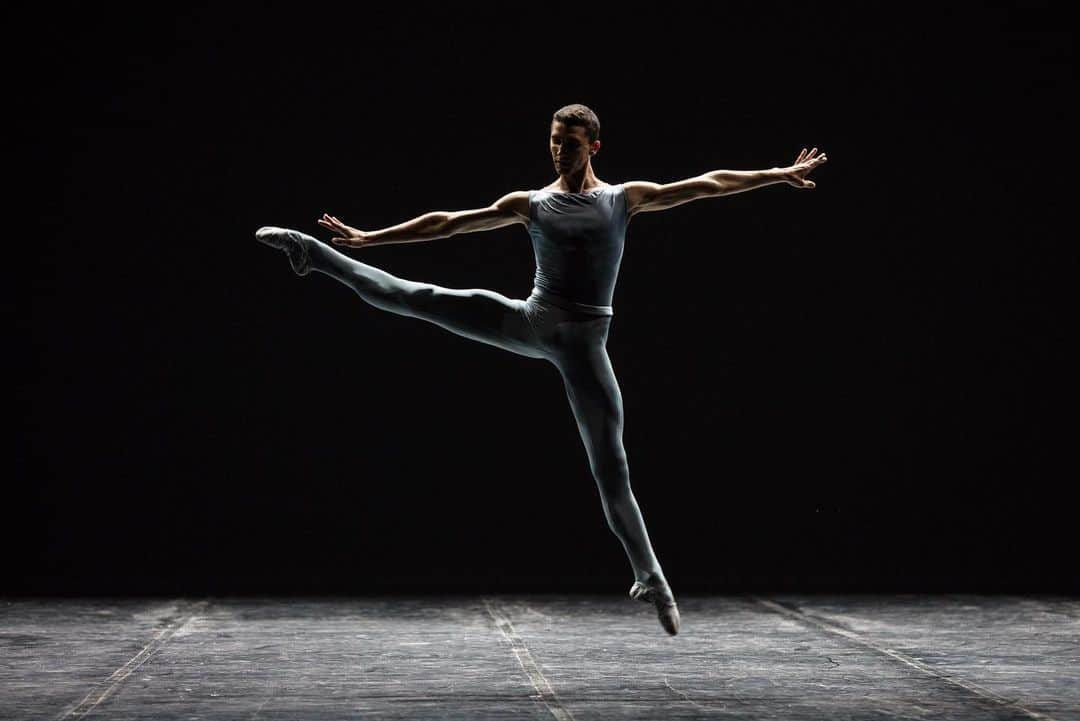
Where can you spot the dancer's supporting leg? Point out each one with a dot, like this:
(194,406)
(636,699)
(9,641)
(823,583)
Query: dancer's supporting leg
(475,313)
(596,401)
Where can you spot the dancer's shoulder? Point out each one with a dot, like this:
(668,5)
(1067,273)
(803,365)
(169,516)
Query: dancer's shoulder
(516,203)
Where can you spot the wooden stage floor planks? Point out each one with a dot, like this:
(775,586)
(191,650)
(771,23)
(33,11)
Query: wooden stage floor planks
(786,656)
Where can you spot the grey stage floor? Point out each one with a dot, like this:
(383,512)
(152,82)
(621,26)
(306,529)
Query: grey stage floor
(825,658)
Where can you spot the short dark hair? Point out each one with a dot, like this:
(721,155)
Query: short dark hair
(577,114)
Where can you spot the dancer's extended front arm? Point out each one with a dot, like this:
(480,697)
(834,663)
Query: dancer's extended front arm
(645,196)
(509,209)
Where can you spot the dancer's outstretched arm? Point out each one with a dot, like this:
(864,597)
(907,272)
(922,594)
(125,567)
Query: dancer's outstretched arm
(509,209)
(645,197)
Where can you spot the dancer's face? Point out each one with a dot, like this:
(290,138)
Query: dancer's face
(570,148)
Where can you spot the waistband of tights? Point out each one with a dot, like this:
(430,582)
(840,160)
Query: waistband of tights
(558,300)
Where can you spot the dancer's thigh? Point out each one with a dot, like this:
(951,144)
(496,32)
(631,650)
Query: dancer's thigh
(596,401)
(476,313)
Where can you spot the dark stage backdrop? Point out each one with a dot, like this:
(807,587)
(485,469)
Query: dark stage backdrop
(852,388)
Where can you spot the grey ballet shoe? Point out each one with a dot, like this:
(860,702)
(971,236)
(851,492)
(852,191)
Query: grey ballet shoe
(659,594)
(295,244)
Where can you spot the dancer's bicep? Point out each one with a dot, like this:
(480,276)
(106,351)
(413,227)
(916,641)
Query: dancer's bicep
(507,210)
(643,196)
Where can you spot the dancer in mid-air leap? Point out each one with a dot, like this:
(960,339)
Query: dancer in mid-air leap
(578,227)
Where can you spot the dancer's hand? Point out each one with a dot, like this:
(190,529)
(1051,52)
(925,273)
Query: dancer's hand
(796,174)
(346,235)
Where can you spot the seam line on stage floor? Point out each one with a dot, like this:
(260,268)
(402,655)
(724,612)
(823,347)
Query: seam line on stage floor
(187,612)
(545,692)
(832,628)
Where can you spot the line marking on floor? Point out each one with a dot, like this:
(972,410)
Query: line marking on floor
(896,655)
(545,692)
(188,612)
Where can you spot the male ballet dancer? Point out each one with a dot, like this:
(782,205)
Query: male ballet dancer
(578,226)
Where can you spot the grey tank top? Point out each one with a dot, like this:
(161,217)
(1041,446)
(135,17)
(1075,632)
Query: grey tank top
(578,241)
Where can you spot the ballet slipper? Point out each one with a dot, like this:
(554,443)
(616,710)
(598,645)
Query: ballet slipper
(659,594)
(295,244)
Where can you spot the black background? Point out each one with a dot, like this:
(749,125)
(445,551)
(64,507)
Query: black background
(856,387)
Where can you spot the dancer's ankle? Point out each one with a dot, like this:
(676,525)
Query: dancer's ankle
(653,578)
(316,250)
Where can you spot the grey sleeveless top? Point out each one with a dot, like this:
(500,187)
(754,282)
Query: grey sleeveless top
(578,241)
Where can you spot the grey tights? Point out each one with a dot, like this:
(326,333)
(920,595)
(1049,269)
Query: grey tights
(573,342)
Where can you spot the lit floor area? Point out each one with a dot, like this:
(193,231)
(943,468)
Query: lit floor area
(777,656)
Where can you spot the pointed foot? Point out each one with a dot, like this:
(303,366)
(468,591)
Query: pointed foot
(295,244)
(659,594)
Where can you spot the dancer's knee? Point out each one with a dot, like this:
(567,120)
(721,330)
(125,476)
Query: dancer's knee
(387,292)
(421,295)
(612,476)
(618,502)
(416,296)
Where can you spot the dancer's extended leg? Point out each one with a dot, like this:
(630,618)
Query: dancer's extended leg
(475,313)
